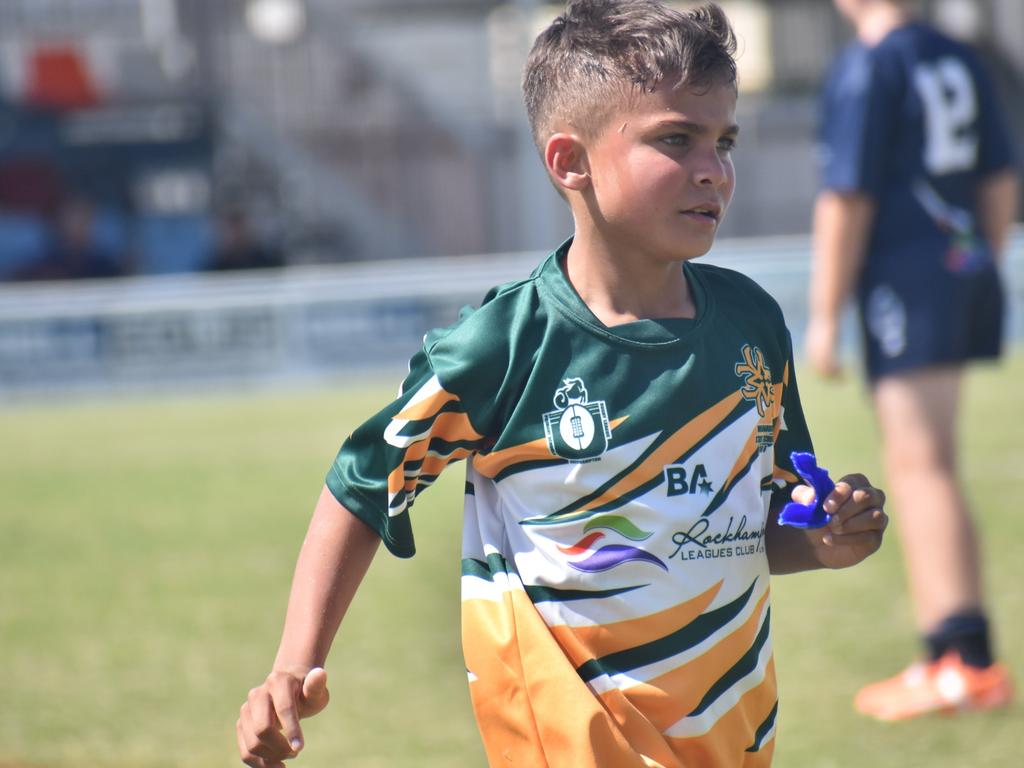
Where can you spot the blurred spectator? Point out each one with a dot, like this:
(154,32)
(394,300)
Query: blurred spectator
(239,248)
(30,184)
(919,191)
(74,251)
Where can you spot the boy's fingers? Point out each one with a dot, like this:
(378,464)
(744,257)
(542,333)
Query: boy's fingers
(868,496)
(268,726)
(803,494)
(839,496)
(871,540)
(285,691)
(854,481)
(872,519)
(314,692)
(250,746)
(258,719)
(248,758)
(846,502)
(261,728)
(876,496)
(846,487)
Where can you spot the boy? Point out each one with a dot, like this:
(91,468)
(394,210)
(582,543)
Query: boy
(628,417)
(919,192)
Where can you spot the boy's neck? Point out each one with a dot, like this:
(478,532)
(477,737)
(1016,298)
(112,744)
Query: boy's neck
(879,19)
(621,287)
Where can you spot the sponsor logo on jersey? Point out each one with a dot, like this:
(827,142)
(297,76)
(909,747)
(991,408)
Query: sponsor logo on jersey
(706,539)
(588,556)
(757,379)
(680,481)
(579,430)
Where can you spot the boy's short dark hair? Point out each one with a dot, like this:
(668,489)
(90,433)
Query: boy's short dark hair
(599,51)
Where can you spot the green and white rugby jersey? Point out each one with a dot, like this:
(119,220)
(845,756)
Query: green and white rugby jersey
(615,582)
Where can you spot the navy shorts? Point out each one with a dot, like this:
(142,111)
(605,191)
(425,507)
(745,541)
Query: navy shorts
(915,320)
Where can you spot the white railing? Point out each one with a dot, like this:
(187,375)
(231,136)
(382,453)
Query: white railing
(304,322)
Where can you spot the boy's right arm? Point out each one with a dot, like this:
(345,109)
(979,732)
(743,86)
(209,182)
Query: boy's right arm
(334,558)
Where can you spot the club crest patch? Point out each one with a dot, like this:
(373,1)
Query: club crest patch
(757,379)
(579,430)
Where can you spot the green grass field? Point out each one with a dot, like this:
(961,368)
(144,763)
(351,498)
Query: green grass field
(146,551)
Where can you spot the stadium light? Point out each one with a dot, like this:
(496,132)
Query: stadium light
(277,22)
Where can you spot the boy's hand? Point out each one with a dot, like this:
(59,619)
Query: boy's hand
(856,523)
(268,725)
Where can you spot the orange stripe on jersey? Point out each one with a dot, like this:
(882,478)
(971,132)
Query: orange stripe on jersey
(725,743)
(584,643)
(492,464)
(743,460)
(490,647)
(641,733)
(433,465)
(451,427)
(549,718)
(424,409)
(778,473)
(396,480)
(779,390)
(786,475)
(669,451)
(672,696)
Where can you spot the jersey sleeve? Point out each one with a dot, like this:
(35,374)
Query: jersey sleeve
(855,137)
(791,434)
(385,463)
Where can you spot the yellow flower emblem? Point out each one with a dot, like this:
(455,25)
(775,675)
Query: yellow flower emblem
(757,379)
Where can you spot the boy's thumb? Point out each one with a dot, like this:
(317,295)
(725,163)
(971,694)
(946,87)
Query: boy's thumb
(314,692)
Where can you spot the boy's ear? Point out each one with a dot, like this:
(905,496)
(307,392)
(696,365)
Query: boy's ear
(566,160)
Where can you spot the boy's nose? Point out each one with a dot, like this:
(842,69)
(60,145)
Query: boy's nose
(711,171)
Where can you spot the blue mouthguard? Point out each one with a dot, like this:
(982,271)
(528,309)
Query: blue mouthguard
(808,515)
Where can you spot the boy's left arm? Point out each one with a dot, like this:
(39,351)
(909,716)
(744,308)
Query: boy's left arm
(857,521)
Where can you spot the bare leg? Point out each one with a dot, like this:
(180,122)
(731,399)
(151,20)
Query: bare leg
(917,413)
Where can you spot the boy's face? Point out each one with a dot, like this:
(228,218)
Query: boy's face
(661,171)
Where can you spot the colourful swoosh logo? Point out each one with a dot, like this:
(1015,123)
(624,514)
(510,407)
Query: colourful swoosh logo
(582,545)
(621,525)
(614,555)
(610,555)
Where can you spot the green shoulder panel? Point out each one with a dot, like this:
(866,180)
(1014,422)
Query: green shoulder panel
(449,407)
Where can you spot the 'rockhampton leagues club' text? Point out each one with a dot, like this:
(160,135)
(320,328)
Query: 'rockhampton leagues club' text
(735,540)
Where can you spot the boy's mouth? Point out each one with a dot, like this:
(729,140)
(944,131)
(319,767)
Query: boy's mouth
(710,211)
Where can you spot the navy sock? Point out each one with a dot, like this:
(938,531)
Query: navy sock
(965,633)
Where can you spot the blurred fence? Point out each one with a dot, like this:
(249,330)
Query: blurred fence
(300,324)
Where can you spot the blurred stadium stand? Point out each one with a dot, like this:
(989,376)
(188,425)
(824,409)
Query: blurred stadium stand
(366,131)
(304,324)
(359,129)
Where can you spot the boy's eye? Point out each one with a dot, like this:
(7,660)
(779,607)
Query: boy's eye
(677,140)
(727,144)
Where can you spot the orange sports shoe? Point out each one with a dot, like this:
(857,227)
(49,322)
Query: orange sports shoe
(945,686)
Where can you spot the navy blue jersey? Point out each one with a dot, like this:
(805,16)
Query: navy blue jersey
(914,123)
